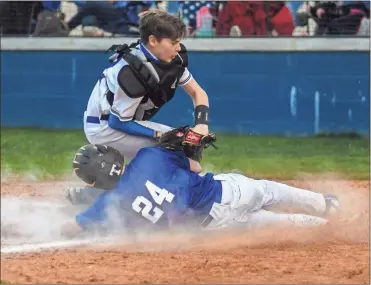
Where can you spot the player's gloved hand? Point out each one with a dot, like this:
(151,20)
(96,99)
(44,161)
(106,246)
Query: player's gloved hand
(194,138)
(194,144)
(186,139)
(209,140)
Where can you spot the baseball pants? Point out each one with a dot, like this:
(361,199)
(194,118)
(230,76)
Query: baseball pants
(246,202)
(127,144)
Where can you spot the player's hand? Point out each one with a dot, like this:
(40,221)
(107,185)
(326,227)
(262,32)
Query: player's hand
(201,129)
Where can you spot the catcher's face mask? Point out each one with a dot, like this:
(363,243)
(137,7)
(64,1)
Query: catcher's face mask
(99,165)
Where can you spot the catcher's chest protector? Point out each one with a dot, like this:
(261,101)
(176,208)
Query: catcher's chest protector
(168,74)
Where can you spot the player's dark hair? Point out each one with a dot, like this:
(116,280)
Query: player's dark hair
(161,25)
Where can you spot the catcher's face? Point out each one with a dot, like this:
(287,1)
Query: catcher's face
(166,49)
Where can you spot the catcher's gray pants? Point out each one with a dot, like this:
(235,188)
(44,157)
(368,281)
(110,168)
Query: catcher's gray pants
(248,203)
(127,144)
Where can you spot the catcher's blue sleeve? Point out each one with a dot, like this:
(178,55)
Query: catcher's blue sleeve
(130,127)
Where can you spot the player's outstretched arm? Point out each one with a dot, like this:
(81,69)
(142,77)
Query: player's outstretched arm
(201,104)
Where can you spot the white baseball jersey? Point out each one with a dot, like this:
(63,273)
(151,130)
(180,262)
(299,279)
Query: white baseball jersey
(125,108)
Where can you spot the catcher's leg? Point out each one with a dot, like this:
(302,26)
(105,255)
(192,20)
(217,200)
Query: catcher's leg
(127,144)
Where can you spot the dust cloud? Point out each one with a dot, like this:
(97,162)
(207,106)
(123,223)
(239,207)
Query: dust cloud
(26,220)
(29,218)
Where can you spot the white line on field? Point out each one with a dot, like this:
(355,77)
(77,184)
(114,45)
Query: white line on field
(50,245)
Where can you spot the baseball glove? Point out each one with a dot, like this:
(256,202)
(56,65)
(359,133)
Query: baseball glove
(191,142)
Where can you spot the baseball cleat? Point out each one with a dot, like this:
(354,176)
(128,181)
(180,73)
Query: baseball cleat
(332,204)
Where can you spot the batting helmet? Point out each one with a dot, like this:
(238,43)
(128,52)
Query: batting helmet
(98,165)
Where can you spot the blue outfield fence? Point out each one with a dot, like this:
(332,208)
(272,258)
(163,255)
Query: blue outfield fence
(279,92)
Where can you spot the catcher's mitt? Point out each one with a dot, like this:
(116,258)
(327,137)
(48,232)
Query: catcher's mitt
(184,138)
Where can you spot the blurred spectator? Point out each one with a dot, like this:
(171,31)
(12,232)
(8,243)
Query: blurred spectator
(41,18)
(52,5)
(116,17)
(238,18)
(134,8)
(294,7)
(337,18)
(341,19)
(19,17)
(189,9)
(230,18)
(50,21)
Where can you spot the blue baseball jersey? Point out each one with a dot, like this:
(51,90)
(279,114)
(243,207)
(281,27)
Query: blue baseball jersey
(156,191)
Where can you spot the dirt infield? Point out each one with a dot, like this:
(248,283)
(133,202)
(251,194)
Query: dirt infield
(338,253)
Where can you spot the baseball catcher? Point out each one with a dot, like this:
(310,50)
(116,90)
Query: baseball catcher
(139,80)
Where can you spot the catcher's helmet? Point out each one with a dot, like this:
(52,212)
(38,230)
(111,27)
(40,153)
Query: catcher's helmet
(98,165)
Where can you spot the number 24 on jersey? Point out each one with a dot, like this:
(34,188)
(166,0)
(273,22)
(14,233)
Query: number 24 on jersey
(144,206)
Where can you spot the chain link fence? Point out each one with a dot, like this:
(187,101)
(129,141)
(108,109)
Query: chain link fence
(229,18)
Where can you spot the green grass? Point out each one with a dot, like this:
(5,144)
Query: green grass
(281,157)
(47,154)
